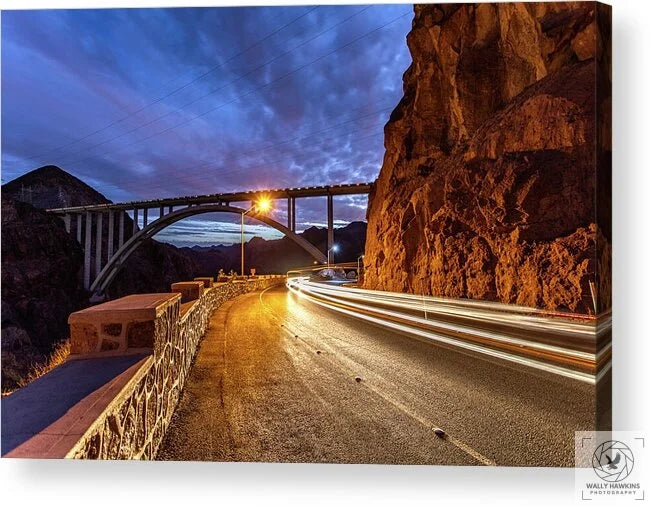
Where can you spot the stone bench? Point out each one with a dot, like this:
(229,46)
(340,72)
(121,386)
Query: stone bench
(207,281)
(118,326)
(188,290)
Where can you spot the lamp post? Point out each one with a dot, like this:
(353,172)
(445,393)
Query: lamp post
(261,206)
(358,271)
(332,249)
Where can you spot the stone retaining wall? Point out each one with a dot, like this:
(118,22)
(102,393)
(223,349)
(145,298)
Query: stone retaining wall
(133,425)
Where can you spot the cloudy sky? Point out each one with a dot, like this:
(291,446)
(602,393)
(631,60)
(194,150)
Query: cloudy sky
(149,103)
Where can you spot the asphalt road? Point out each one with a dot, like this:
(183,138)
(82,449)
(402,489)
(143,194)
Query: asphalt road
(280,379)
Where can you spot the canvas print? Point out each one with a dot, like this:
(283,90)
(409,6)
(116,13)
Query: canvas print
(314,234)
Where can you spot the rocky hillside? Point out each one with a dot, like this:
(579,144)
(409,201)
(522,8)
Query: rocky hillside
(42,267)
(487,190)
(52,187)
(150,269)
(40,286)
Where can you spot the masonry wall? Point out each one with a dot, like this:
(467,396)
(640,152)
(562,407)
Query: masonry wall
(133,425)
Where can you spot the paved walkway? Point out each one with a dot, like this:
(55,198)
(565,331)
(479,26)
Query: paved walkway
(36,406)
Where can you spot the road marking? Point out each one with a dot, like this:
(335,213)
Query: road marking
(454,441)
(337,360)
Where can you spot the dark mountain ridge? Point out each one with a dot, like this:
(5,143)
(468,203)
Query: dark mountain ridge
(52,187)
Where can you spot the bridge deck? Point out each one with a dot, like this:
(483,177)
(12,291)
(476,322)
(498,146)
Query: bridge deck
(251,195)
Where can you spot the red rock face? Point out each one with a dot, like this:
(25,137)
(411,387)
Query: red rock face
(488,185)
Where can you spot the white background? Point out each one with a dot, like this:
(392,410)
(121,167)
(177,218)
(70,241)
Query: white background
(24,482)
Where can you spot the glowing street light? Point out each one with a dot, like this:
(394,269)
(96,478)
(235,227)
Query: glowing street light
(262,206)
(333,249)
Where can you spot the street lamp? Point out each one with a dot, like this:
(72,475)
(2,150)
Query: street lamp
(358,271)
(262,206)
(333,248)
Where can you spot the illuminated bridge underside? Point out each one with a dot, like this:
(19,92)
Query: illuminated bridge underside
(88,223)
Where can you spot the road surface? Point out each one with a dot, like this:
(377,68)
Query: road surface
(280,379)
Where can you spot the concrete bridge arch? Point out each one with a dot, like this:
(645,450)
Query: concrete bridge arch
(115,263)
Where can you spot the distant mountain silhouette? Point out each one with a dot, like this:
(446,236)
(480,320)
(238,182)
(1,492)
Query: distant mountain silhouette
(52,187)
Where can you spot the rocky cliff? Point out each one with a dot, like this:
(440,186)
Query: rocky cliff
(52,187)
(487,189)
(42,267)
(40,286)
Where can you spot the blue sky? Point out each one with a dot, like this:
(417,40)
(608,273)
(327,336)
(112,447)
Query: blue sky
(148,103)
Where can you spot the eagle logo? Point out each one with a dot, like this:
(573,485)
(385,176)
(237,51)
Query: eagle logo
(612,461)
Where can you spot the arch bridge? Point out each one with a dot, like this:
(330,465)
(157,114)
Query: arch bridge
(105,252)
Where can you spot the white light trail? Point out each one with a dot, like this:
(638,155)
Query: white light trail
(361,304)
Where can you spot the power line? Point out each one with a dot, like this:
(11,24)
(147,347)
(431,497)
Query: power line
(270,83)
(212,176)
(227,85)
(302,137)
(265,147)
(340,163)
(209,177)
(273,145)
(176,90)
(209,163)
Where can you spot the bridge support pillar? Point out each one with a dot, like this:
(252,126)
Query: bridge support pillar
(98,244)
(289,212)
(145,212)
(66,221)
(111,230)
(87,242)
(121,231)
(331,231)
(161,211)
(293,227)
(135,220)
(79,228)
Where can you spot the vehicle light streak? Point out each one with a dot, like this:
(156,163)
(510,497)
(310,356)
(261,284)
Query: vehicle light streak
(468,309)
(578,361)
